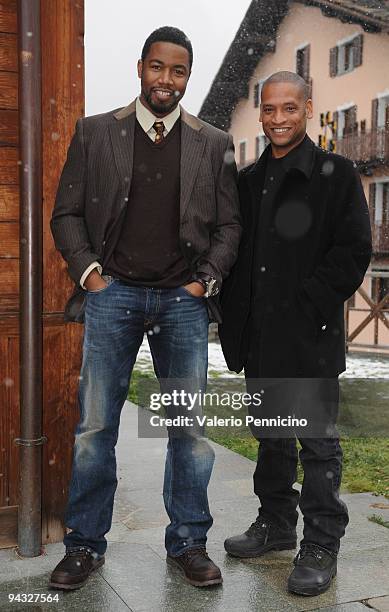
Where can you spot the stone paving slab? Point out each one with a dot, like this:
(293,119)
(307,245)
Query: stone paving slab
(354,606)
(381,604)
(136,576)
(97,597)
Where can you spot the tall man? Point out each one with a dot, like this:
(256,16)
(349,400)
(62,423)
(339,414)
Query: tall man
(305,248)
(146,217)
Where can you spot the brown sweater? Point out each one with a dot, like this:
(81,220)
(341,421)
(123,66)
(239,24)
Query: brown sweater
(148,251)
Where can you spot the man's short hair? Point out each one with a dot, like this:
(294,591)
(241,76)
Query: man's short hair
(171,35)
(284,76)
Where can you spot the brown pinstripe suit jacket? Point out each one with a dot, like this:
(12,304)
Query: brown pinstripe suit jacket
(95,184)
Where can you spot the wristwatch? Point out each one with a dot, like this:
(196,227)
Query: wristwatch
(209,283)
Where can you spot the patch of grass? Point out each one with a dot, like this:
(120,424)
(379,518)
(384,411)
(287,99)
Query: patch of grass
(136,379)
(365,459)
(376,518)
(366,465)
(248,446)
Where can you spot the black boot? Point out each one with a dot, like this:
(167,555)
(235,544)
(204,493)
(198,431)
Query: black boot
(315,567)
(74,569)
(262,535)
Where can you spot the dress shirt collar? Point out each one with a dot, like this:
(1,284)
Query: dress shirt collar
(147,119)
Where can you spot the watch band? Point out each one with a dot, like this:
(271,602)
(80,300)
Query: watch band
(209,283)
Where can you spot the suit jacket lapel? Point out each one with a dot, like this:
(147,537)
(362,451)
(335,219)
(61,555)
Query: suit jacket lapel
(193,142)
(122,133)
(192,147)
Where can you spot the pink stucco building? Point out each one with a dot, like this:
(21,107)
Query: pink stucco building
(341,47)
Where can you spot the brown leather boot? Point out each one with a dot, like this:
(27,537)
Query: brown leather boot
(74,569)
(198,569)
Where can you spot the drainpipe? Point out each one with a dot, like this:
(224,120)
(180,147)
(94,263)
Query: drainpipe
(30,142)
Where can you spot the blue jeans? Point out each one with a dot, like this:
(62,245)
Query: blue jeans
(116,319)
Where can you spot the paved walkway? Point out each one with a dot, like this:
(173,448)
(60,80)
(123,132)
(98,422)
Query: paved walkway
(136,577)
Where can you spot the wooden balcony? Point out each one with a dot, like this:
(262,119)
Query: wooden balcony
(367,149)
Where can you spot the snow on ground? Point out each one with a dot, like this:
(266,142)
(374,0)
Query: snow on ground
(358,366)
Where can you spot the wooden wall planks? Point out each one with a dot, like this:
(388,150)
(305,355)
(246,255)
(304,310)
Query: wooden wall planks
(8,90)
(60,415)
(9,203)
(62,104)
(62,30)
(62,25)
(8,52)
(8,16)
(9,274)
(9,171)
(9,417)
(9,240)
(8,127)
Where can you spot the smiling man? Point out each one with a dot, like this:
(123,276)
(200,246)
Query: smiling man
(146,217)
(305,248)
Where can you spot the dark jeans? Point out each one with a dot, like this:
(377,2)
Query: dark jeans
(116,319)
(325,514)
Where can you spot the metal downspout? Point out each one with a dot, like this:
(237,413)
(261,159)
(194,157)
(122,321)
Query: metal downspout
(30,142)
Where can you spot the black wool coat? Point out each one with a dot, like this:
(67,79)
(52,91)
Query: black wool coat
(318,247)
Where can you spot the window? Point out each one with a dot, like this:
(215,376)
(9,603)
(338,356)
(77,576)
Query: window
(346,56)
(379,288)
(256,95)
(383,112)
(346,121)
(379,203)
(261,142)
(242,152)
(380,125)
(257,91)
(302,62)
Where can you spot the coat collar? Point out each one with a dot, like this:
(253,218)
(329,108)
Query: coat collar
(301,158)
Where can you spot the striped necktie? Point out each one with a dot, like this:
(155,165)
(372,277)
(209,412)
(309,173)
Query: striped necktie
(159,128)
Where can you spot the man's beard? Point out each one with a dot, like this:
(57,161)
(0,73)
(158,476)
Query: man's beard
(161,109)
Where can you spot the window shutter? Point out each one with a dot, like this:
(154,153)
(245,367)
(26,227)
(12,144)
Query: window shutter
(353,119)
(372,193)
(307,51)
(303,62)
(335,124)
(333,61)
(358,50)
(256,95)
(374,113)
(242,153)
(387,117)
(257,145)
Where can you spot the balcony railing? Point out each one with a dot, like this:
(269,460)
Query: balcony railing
(366,148)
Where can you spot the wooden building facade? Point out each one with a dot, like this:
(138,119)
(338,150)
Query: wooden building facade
(55,44)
